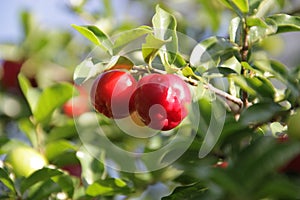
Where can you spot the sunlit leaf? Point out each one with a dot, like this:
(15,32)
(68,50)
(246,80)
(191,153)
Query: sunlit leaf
(211,50)
(39,176)
(51,98)
(65,182)
(127,37)
(119,62)
(239,6)
(7,145)
(86,70)
(108,187)
(92,168)
(65,131)
(164,25)
(242,82)
(54,149)
(29,129)
(285,23)
(151,47)
(255,21)
(262,86)
(6,180)
(95,35)
(236,30)
(261,30)
(31,94)
(47,188)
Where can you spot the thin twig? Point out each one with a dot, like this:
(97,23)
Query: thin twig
(244,55)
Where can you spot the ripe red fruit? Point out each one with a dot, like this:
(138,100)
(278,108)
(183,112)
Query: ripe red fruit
(111,92)
(10,71)
(293,166)
(77,105)
(221,164)
(161,100)
(73,169)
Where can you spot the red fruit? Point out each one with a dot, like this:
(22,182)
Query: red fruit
(221,164)
(292,166)
(77,105)
(111,93)
(9,79)
(161,100)
(73,169)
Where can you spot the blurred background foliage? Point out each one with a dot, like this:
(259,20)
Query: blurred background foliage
(47,50)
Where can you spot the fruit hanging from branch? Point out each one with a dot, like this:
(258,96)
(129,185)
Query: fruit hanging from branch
(161,100)
(111,92)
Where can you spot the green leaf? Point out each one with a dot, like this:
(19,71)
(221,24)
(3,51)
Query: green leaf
(51,98)
(259,113)
(261,30)
(92,168)
(27,127)
(164,25)
(188,192)
(270,155)
(65,183)
(253,5)
(285,23)
(54,149)
(85,70)
(31,94)
(242,82)
(263,7)
(213,12)
(65,131)
(242,5)
(108,187)
(44,191)
(219,72)
(256,21)
(7,145)
(129,36)
(26,22)
(236,31)
(119,62)
(151,47)
(239,6)
(262,86)
(278,187)
(280,72)
(211,50)
(187,72)
(39,176)
(95,35)
(5,179)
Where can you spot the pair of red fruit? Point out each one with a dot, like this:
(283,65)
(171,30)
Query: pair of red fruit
(158,101)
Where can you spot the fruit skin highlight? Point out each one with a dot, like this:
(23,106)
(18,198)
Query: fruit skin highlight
(111,93)
(161,100)
(25,160)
